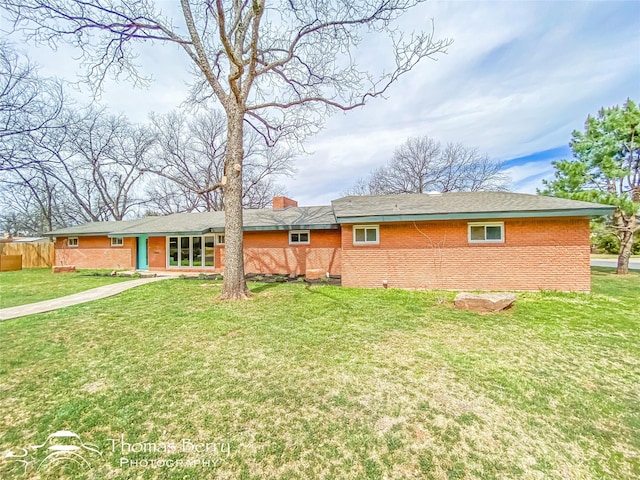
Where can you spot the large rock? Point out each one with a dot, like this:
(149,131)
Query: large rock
(314,273)
(63,269)
(484,302)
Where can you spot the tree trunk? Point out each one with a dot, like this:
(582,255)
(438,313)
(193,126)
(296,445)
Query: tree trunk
(235,286)
(626,228)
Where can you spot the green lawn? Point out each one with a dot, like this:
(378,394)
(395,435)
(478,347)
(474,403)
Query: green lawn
(329,382)
(609,256)
(37,284)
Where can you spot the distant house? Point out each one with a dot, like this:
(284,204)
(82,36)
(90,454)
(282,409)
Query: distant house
(471,240)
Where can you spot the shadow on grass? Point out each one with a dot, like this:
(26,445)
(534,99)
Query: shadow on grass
(319,291)
(263,287)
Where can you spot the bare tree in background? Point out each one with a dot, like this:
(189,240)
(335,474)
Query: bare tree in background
(97,161)
(29,201)
(279,67)
(29,105)
(188,161)
(421,165)
(30,108)
(87,168)
(61,165)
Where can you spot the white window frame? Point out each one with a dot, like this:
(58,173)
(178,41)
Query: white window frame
(486,224)
(74,244)
(366,227)
(220,238)
(298,232)
(121,240)
(179,246)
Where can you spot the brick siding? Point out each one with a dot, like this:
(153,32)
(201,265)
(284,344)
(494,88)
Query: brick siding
(96,252)
(542,253)
(280,203)
(270,252)
(157,253)
(550,254)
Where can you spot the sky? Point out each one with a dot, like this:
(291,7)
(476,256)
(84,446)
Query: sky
(518,79)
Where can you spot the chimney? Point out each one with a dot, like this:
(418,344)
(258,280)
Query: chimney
(280,203)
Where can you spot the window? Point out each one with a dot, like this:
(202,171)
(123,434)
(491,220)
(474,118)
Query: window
(196,260)
(117,241)
(191,252)
(220,238)
(72,242)
(366,234)
(299,237)
(209,251)
(173,251)
(185,251)
(486,232)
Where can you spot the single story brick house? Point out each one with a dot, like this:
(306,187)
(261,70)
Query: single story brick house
(465,240)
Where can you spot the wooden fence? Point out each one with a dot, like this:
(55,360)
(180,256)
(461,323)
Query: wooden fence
(10,263)
(34,254)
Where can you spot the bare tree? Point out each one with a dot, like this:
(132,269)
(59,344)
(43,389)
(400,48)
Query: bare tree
(29,104)
(188,161)
(87,168)
(97,161)
(166,197)
(421,164)
(279,67)
(29,201)
(30,107)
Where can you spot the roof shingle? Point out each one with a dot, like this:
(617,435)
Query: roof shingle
(458,204)
(383,208)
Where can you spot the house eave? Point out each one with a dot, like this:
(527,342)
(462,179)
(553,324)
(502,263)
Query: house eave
(159,234)
(324,226)
(257,228)
(586,212)
(62,234)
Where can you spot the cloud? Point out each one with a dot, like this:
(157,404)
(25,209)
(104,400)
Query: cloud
(518,79)
(526,178)
(527,172)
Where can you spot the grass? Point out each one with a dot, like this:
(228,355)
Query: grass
(37,284)
(610,256)
(329,382)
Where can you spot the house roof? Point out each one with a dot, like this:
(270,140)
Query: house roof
(302,218)
(30,239)
(353,209)
(459,205)
(298,218)
(91,228)
(177,223)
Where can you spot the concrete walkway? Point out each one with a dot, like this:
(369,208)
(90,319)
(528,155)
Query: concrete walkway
(601,262)
(82,297)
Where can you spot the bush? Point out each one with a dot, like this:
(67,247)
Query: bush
(608,242)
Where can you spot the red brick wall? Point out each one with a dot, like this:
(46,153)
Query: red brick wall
(157,253)
(280,203)
(96,252)
(550,254)
(218,257)
(270,252)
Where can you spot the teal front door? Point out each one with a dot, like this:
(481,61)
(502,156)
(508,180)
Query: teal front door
(142,247)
